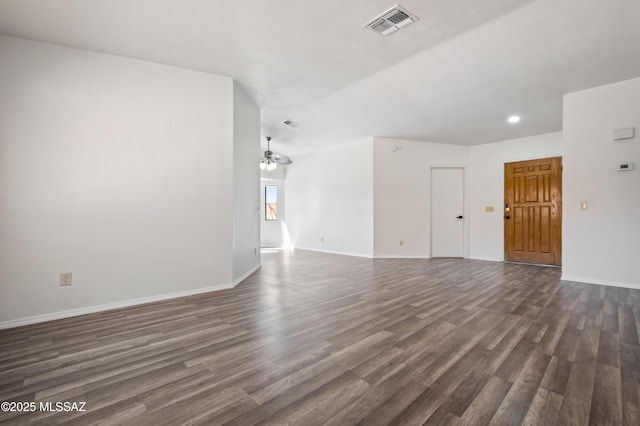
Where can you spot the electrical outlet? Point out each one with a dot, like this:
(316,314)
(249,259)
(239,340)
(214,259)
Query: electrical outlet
(65,278)
(255,251)
(401,243)
(322,239)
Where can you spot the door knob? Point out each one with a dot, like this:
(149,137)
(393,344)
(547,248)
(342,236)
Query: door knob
(458,217)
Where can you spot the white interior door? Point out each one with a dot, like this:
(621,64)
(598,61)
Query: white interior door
(447,211)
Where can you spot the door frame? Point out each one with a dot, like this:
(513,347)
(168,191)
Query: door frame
(501,210)
(465,204)
(273,225)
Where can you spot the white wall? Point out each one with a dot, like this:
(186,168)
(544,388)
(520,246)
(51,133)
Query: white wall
(402,182)
(487,187)
(246,184)
(601,243)
(330,197)
(273,233)
(117,170)
(402,194)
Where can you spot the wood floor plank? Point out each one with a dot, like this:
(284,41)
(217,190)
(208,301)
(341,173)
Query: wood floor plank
(630,382)
(544,409)
(627,325)
(197,407)
(421,409)
(314,339)
(608,349)
(318,406)
(373,398)
(576,404)
(517,402)
(557,375)
(464,394)
(486,402)
(606,403)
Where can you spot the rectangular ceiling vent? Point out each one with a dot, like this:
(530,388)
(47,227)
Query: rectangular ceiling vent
(290,123)
(390,21)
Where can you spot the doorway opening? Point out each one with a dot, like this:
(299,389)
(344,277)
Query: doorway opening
(273,228)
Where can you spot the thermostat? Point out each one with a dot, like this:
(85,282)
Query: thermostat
(622,134)
(625,167)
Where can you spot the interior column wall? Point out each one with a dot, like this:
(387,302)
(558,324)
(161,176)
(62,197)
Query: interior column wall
(114,169)
(601,242)
(246,184)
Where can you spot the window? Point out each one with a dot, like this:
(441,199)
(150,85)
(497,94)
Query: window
(270,202)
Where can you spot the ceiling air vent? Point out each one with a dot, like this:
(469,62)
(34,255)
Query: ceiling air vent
(391,20)
(290,123)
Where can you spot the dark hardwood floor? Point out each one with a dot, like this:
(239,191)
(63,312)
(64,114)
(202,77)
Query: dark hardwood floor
(315,338)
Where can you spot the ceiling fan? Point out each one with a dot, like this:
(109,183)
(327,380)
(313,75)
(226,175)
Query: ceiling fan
(271,160)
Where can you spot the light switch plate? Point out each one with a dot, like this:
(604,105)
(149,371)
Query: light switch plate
(66,278)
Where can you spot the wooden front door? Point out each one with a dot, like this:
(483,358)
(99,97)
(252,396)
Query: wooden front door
(533,211)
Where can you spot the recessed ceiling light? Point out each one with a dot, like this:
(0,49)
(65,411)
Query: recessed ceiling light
(513,119)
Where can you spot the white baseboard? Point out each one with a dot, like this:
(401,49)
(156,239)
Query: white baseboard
(488,259)
(587,280)
(246,275)
(368,256)
(122,304)
(384,256)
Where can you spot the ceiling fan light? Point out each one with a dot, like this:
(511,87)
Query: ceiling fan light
(270,160)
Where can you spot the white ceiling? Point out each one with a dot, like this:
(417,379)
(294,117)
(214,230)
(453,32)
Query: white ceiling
(452,77)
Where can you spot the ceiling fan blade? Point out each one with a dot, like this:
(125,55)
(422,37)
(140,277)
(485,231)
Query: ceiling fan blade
(281,159)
